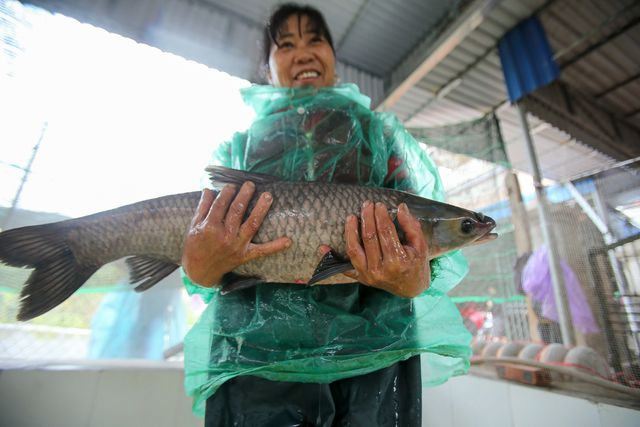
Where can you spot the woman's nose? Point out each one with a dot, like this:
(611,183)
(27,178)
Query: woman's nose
(303,56)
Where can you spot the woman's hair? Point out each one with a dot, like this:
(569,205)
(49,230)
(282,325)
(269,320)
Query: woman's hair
(280,15)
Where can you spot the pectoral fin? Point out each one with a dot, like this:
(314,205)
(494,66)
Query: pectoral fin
(148,270)
(330,265)
(232,282)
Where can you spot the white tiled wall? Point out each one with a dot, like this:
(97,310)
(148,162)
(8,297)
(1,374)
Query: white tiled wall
(152,396)
(472,401)
(113,397)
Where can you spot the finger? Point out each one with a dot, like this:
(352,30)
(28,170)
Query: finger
(250,227)
(412,230)
(355,251)
(392,249)
(238,207)
(221,204)
(369,235)
(206,199)
(258,250)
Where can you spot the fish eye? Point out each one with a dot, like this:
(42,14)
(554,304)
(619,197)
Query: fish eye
(466,226)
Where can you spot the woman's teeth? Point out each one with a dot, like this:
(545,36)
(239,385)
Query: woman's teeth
(307,75)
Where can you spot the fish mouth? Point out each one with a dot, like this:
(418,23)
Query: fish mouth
(485,225)
(486,237)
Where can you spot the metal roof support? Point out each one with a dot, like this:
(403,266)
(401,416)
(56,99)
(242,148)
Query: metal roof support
(25,176)
(557,278)
(419,63)
(584,119)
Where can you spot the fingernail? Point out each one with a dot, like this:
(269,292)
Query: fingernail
(267,196)
(380,205)
(286,245)
(250,184)
(366,203)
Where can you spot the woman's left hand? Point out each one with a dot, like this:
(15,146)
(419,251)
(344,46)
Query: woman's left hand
(379,258)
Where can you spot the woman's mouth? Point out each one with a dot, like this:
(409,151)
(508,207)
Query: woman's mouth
(307,75)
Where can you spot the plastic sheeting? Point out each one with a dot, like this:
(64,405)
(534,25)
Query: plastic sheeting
(321,334)
(130,324)
(536,281)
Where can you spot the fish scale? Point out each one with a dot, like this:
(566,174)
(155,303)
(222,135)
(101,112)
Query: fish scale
(311,214)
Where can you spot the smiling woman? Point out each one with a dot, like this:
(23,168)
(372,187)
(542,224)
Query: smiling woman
(349,353)
(299,50)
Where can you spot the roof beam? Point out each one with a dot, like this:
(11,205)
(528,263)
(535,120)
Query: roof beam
(585,120)
(428,55)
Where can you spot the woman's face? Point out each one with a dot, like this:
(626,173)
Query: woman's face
(301,56)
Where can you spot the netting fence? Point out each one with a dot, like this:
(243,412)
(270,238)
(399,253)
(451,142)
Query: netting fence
(507,299)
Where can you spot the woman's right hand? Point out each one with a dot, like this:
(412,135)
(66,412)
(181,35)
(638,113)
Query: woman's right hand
(218,241)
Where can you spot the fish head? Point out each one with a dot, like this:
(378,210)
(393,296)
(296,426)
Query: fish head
(448,234)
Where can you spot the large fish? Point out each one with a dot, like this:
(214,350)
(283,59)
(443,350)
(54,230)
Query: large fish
(151,233)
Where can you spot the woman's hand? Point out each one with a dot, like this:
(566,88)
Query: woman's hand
(218,241)
(381,260)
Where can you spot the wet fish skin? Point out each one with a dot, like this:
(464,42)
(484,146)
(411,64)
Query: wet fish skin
(313,214)
(151,233)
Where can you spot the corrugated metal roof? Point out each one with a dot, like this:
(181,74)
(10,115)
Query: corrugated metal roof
(355,23)
(222,34)
(598,47)
(476,61)
(560,156)
(403,24)
(599,51)
(482,88)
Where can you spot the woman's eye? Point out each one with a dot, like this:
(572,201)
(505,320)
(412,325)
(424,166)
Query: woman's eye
(316,40)
(285,45)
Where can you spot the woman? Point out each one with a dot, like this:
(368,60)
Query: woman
(285,354)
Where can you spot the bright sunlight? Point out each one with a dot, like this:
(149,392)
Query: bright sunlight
(118,121)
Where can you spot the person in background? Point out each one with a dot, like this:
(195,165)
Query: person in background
(348,354)
(537,283)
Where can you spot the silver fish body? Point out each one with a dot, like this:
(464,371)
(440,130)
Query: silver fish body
(151,233)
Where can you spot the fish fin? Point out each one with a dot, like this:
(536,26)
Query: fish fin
(222,175)
(56,275)
(232,282)
(330,265)
(151,270)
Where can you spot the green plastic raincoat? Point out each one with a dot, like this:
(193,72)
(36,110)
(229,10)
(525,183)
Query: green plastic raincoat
(289,332)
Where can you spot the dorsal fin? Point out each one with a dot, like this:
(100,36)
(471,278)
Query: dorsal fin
(222,175)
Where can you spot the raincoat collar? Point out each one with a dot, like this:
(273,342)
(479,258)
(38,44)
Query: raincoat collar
(266,99)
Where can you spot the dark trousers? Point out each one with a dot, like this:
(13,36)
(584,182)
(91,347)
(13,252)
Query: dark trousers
(388,397)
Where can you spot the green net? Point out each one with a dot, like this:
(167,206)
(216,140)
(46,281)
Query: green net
(472,159)
(322,334)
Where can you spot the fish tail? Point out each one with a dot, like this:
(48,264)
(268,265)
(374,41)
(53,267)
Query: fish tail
(56,275)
